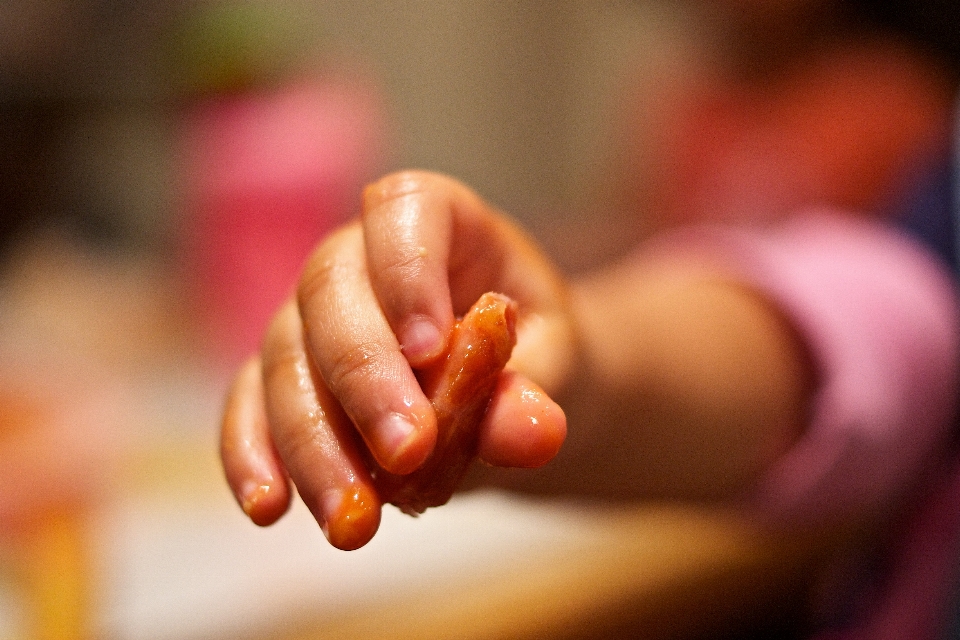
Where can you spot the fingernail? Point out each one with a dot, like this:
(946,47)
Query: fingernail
(350,517)
(395,431)
(251,496)
(330,502)
(394,435)
(421,340)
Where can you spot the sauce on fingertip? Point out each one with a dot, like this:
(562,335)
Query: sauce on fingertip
(254,498)
(354,520)
(459,386)
(547,419)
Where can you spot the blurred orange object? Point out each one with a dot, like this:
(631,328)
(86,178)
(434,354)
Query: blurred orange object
(42,523)
(849,125)
(53,562)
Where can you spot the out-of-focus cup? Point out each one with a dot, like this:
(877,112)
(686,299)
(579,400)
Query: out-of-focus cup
(267,174)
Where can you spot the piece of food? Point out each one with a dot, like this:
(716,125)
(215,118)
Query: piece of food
(459,386)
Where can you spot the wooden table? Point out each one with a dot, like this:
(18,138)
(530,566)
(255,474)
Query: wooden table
(641,571)
(168,556)
(647,572)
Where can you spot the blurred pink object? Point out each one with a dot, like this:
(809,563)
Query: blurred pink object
(267,174)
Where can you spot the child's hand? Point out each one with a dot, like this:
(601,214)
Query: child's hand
(335,379)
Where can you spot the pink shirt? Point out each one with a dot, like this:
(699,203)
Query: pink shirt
(881,319)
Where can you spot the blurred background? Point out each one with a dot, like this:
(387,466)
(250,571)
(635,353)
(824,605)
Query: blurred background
(515,97)
(165,166)
(121,120)
(164,169)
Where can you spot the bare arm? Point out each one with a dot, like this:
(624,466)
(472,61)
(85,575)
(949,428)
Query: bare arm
(689,385)
(676,382)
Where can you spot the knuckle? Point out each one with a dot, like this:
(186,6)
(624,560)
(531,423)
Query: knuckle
(280,359)
(355,365)
(317,276)
(301,446)
(283,356)
(277,344)
(405,268)
(399,184)
(323,269)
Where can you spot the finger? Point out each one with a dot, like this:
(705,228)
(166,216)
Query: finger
(250,461)
(359,357)
(315,439)
(523,426)
(407,225)
(433,246)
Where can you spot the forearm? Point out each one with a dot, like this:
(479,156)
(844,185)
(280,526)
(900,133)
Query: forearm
(689,385)
(698,366)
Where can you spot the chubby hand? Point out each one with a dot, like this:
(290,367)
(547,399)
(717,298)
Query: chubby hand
(334,398)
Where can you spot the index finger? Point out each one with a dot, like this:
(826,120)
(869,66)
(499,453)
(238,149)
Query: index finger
(358,356)
(407,226)
(433,246)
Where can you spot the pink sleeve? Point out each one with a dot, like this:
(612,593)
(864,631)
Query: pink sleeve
(879,316)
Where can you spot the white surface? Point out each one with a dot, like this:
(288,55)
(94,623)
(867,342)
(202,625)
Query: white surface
(170,572)
(174,558)
(13,622)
